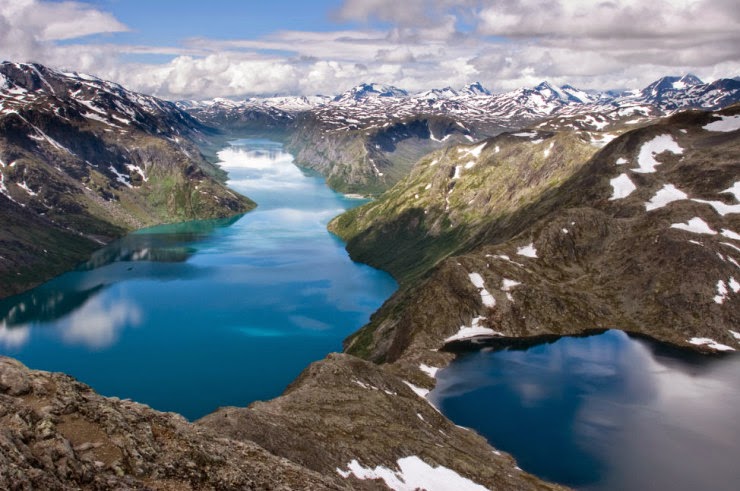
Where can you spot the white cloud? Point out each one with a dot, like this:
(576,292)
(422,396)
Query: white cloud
(35,21)
(418,44)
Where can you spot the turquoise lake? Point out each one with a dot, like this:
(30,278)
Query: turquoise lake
(606,412)
(194,316)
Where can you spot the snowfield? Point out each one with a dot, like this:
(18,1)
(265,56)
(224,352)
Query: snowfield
(413,474)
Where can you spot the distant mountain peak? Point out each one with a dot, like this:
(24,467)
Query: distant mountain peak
(366,90)
(687,80)
(476,88)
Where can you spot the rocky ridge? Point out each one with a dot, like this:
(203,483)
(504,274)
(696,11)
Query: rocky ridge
(57,434)
(535,234)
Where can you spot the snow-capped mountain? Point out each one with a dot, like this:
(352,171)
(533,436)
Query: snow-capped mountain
(373,106)
(365,126)
(475,89)
(366,91)
(667,85)
(72,95)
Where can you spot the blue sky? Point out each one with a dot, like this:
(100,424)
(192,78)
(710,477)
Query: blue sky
(231,48)
(163,22)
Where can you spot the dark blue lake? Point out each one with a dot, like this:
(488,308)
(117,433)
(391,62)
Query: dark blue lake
(194,316)
(605,412)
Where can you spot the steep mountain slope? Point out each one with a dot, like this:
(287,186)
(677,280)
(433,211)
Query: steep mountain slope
(82,161)
(345,137)
(548,236)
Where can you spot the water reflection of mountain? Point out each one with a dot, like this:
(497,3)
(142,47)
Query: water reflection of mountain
(164,244)
(43,305)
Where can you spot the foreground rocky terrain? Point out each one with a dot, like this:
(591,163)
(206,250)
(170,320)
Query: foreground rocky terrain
(58,434)
(344,424)
(83,161)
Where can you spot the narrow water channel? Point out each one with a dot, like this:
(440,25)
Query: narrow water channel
(605,412)
(194,316)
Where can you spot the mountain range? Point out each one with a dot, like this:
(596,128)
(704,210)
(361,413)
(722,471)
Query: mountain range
(365,139)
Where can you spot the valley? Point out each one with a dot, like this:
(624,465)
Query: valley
(505,219)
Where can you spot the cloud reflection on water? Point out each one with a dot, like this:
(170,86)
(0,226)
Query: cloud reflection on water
(98,323)
(605,412)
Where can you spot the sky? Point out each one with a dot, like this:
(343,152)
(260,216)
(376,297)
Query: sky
(244,48)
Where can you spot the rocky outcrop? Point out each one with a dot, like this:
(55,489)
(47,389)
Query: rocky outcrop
(57,434)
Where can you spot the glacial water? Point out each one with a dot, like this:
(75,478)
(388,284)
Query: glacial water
(605,412)
(194,316)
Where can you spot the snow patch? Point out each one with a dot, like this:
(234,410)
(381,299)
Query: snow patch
(621,161)
(734,190)
(548,150)
(668,194)
(732,246)
(485,295)
(710,343)
(475,152)
(474,331)
(507,284)
(602,140)
(136,168)
(730,234)
(720,207)
(721,292)
(25,187)
(622,187)
(725,124)
(734,285)
(504,257)
(419,391)
(649,150)
(431,371)
(527,250)
(413,474)
(695,225)
(123,179)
